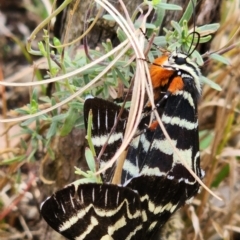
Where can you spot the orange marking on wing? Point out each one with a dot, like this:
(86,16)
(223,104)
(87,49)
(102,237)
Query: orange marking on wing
(153,125)
(159,75)
(176,84)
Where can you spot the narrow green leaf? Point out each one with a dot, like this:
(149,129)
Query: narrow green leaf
(90,160)
(52,130)
(89,176)
(89,133)
(123,78)
(26,130)
(22,111)
(150,26)
(206,139)
(109,17)
(59,117)
(23,144)
(205,39)
(45,99)
(70,120)
(34,95)
(221,176)
(211,83)
(208,28)
(80,123)
(160,13)
(114,76)
(198,58)
(31,155)
(177,27)
(42,49)
(57,43)
(28,122)
(160,41)
(188,12)
(13,160)
(220,58)
(121,35)
(55,111)
(156,2)
(34,106)
(51,152)
(168,6)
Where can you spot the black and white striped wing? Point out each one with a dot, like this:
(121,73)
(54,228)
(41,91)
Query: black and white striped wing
(152,153)
(94,212)
(160,198)
(105,115)
(156,171)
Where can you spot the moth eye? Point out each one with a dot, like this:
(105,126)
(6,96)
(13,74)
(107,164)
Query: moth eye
(180,60)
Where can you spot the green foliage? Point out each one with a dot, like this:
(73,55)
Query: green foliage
(90,155)
(60,63)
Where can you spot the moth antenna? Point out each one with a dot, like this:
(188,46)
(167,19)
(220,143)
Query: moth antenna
(190,52)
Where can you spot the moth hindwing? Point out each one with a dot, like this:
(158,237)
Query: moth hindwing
(94,211)
(151,159)
(155,182)
(106,115)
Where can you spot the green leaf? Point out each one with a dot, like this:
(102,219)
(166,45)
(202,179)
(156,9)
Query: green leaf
(174,46)
(23,144)
(168,6)
(160,13)
(31,155)
(155,2)
(160,41)
(177,27)
(211,83)
(22,111)
(34,106)
(70,120)
(57,43)
(114,76)
(80,123)
(77,105)
(220,58)
(196,56)
(221,176)
(89,133)
(121,35)
(150,26)
(34,95)
(59,117)
(52,130)
(89,176)
(188,12)
(26,130)
(45,99)
(105,90)
(109,17)
(206,139)
(13,160)
(123,78)
(90,160)
(109,47)
(54,111)
(205,39)
(28,122)
(208,28)
(51,152)
(42,49)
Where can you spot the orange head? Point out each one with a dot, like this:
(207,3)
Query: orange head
(161,77)
(170,73)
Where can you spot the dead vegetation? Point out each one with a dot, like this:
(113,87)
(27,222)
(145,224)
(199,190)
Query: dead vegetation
(21,178)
